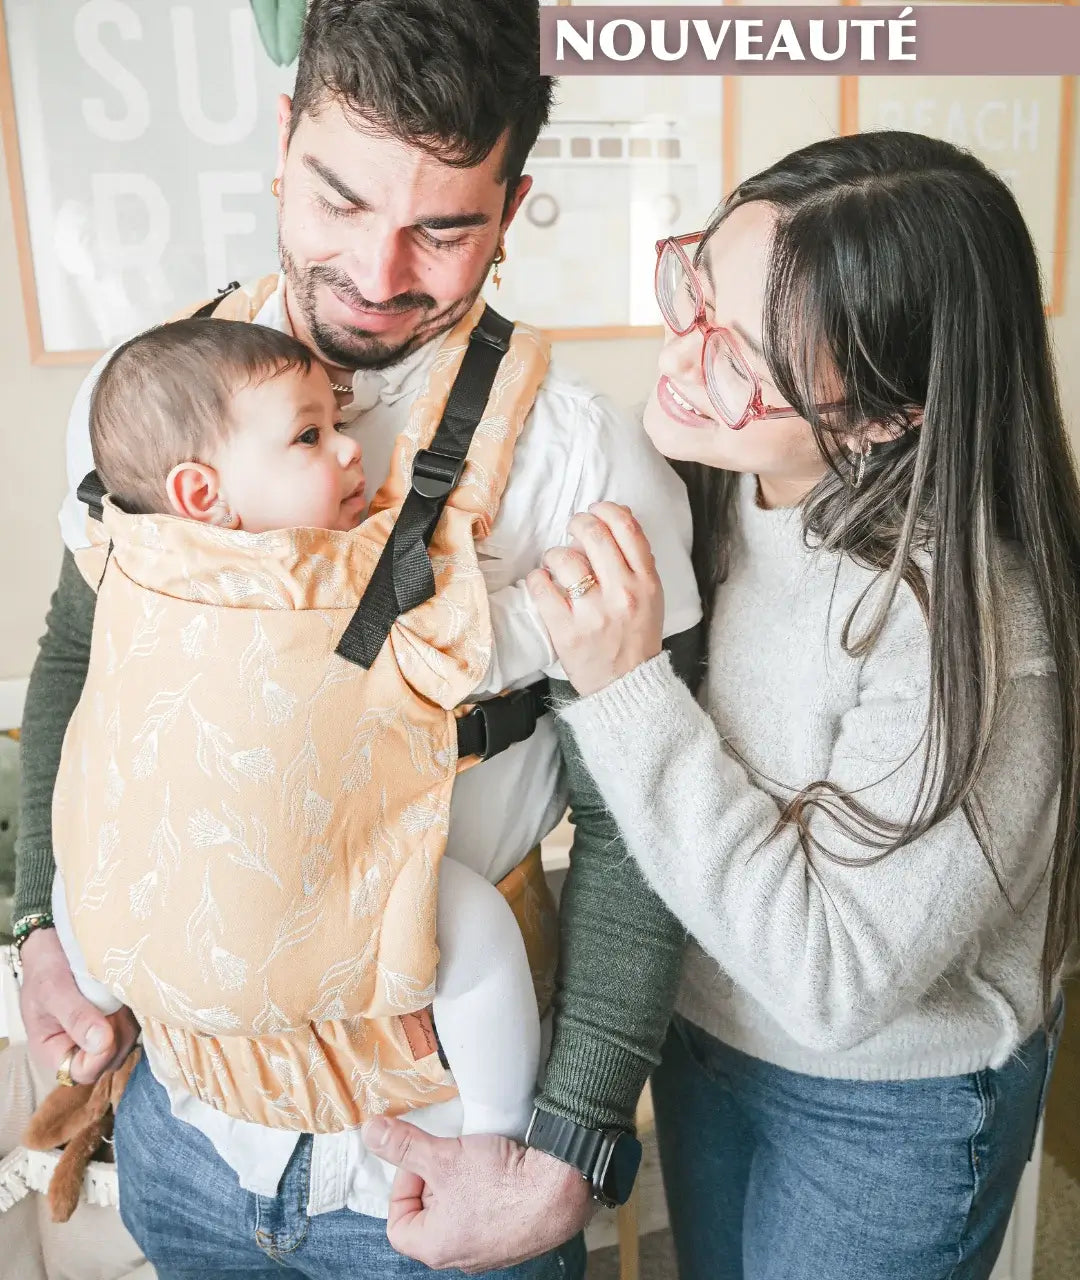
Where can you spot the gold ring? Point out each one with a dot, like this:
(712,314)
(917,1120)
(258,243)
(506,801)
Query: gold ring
(63,1071)
(583,585)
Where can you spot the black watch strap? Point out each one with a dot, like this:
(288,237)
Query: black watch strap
(571,1143)
(592,1152)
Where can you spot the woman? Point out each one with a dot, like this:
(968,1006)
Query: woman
(861,831)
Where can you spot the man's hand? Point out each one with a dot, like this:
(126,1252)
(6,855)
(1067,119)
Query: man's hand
(57,1015)
(477,1203)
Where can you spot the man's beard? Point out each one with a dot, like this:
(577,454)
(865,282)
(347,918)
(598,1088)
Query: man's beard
(352,347)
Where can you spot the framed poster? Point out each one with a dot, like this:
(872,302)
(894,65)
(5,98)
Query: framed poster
(1023,127)
(140,143)
(624,162)
(140,139)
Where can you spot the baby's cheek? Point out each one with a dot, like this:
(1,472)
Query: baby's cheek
(317,499)
(278,503)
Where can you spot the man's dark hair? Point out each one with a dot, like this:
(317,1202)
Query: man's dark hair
(165,397)
(449,76)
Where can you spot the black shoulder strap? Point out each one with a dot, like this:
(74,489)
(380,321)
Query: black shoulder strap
(208,308)
(403,577)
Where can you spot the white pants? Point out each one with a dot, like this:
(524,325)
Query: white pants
(485,1005)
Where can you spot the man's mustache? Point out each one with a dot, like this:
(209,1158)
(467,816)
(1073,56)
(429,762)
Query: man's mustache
(348,292)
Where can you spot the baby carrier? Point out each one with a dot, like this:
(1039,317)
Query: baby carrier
(254,792)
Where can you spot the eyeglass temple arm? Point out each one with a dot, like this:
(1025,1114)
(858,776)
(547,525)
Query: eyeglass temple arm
(788,411)
(689,238)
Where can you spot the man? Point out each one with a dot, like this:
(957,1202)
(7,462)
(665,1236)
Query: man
(399,171)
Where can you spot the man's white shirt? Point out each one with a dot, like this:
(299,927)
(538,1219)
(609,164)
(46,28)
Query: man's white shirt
(576,448)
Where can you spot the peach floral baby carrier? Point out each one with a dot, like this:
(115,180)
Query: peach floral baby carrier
(254,790)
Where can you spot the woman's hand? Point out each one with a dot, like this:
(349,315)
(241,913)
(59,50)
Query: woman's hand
(617,624)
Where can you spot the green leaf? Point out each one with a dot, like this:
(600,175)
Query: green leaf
(280,23)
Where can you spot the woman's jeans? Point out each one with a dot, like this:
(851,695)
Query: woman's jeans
(192,1219)
(773,1175)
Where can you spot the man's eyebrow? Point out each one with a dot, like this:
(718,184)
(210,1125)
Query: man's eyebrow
(749,339)
(438,222)
(453,221)
(332,180)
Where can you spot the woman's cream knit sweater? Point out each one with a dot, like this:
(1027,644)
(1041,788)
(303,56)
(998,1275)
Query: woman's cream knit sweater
(913,966)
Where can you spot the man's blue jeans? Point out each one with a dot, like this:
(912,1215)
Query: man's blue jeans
(774,1175)
(192,1219)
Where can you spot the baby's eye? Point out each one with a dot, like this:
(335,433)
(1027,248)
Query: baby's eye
(310,436)
(341,426)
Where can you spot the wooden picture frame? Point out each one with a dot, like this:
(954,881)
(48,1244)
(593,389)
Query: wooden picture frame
(1058,277)
(67,179)
(729,116)
(41,355)
(20,220)
(728,142)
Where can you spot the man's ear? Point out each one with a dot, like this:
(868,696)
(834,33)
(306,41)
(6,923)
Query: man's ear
(194,492)
(284,124)
(524,186)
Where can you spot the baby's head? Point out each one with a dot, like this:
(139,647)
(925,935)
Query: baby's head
(226,423)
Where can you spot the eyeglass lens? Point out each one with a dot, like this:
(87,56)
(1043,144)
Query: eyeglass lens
(730,387)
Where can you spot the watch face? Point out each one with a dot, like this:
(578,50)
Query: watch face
(623,1161)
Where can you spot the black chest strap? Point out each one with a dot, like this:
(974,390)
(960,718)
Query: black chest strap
(494,725)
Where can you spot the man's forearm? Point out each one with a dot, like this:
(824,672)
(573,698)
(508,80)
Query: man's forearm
(55,687)
(620,957)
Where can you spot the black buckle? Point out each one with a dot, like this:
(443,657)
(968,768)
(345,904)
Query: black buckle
(91,492)
(489,339)
(434,475)
(504,720)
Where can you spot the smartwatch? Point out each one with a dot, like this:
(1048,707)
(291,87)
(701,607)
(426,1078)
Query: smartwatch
(607,1159)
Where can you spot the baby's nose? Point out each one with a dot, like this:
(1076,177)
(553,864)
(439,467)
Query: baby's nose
(348,450)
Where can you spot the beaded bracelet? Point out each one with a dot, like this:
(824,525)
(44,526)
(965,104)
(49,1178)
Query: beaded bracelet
(28,924)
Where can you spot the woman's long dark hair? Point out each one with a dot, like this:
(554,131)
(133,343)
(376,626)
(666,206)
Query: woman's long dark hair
(906,264)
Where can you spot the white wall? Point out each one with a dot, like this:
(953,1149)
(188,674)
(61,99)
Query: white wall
(33,413)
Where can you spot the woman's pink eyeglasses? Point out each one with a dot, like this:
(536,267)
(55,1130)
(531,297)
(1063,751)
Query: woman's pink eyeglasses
(733,387)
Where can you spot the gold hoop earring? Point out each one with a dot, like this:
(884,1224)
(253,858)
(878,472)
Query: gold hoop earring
(497,261)
(275,188)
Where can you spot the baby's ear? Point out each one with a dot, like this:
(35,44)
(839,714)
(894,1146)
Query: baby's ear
(194,492)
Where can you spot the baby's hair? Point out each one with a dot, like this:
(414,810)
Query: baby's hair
(165,397)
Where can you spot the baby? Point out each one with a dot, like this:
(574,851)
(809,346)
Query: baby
(236,425)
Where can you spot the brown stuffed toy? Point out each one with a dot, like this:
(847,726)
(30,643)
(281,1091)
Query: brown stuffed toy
(78,1118)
